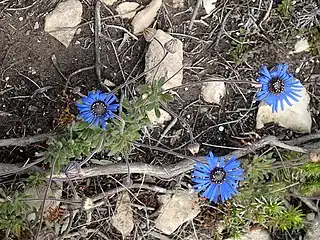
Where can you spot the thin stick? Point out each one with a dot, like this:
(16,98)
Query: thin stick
(194,14)
(97,45)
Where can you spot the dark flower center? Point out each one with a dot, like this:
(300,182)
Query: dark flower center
(276,85)
(217,175)
(99,108)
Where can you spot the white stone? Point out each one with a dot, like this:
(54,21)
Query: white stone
(254,234)
(170,66)
(177,209)
(145,17)
(62,21)
(123,217)
(37,192)
(301,46)
(164,117)
(212,92)
(127,9)
(313,232)
(297,117)
(209,5)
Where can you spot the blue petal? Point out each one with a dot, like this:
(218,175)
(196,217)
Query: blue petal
(203,167)
(212,160)
(263,79)
(289,94)
(233,179)
(92,96)
(199,187)
(264,71)
(209,191)
(199,174)
(236,172)
(201,180)
(284,69)
(281,104)
(262,95)
(221,164)
(110,98)
(103,123)
(279,69)
(214,193)
(233,163)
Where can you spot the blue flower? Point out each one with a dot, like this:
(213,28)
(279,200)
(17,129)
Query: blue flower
(217,178)
(97,108)
(278,86)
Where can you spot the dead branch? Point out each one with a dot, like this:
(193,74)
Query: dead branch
(24,141)
(172,170)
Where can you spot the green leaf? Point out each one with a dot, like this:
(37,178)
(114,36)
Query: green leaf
(157,112)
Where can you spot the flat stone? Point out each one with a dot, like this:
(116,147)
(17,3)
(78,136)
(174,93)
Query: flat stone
(123,217)
(145,17)
(127,9)
(177,209)
(62,21)
(313,232)
(170,67)
(213,92)
(164,117)
(296,117)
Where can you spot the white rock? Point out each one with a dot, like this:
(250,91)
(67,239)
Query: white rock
(66,15)
(109,2)
(255,234)
(37,192)
(127,9)
(296,118)
(164,117)
(301,46)
(176,210)
(209,5)
(212,92)
(123,217)
(313,232)
(170,66)
(145,17)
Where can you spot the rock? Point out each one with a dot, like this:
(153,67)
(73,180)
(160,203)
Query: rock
(170,66)
(164,117)
(127,9)
(145,17)
(109,2)
(301,46)
(254,234)
(177,209)
(66,15)
(296,117)
(37,192)
(209,5)
(313,232)
(212,92)
(123,217)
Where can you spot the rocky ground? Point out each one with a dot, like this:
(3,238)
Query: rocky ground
(52,52)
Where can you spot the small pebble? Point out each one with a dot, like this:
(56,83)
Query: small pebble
(36,25)
(7,78)
(186,89)
(20,19)
(221,128)
(188,116)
